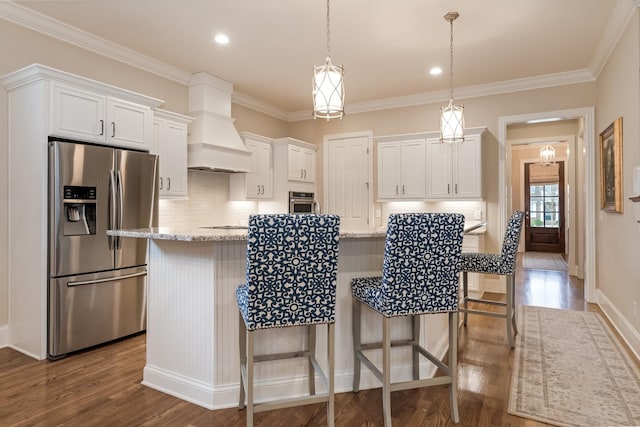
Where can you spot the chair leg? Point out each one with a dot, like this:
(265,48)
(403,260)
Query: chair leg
(513,303)
(311,345)
(465,291)
(250,357)
(331,350)
(453,364)
(355,326)
(510,310)
(415,337)
(386,370)
(242,344)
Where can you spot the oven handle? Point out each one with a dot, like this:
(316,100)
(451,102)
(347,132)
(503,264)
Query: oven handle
(108,279)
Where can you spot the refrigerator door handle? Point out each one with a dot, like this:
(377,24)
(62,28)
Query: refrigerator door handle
(120,208)
(111,210)
(108,279)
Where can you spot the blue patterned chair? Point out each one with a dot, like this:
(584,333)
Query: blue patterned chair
(420,275)
(503,264)
(292,263)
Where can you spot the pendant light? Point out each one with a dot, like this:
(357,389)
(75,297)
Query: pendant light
(328,85)
(547,155)
(451,116)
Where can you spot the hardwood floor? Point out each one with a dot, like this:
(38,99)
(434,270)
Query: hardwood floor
(102,386)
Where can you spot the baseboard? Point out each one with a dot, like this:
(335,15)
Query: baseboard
(630,336)
(226,396)
(4,336)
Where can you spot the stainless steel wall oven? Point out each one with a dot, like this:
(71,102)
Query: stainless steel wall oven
(303,203)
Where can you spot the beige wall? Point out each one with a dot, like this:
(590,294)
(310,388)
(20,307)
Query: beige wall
(618,235)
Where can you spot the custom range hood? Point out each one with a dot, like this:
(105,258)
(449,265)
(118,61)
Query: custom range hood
(214,143)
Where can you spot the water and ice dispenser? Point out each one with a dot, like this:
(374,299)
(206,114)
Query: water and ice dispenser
(79,216)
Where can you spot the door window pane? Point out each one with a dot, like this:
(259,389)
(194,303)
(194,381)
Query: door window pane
(544,209)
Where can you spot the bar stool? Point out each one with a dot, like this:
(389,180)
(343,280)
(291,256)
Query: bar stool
(292,263)
(503,264)
(420,275)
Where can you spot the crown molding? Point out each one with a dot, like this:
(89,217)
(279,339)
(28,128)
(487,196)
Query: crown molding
(36,21)
(259,106)
(507,86)
(616,26)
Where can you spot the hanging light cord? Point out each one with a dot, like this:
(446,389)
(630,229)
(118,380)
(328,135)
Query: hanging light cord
(451,61)
(328,31)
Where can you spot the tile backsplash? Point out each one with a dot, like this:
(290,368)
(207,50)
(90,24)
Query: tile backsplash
(208,203)
(471,209)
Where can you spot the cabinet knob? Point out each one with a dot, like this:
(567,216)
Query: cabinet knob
(169,184)
(258,192)
(113,127)
(396,190)
(101,127)
(161,183)
(403,193)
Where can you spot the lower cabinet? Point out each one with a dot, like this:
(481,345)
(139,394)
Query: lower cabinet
(170,143)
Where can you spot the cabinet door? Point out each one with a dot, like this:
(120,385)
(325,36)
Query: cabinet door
(296,171)
(170,143)
(259,182)
(439,172)
(389,170)
(128,124)
(468,169)
(308,165)
(412,170)
(77,114)
(174,159)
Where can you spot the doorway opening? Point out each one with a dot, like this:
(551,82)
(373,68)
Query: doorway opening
(544,191)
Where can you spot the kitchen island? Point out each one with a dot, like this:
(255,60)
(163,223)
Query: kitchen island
(192,319)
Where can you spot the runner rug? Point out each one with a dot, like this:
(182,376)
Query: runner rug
(571,370)
(544,261)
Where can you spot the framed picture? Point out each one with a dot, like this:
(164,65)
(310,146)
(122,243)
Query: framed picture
(611,167)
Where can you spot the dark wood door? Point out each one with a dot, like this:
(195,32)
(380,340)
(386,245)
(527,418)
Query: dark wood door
(544,207)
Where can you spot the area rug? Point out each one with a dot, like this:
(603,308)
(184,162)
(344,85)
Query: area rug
(571,370)
(543,261)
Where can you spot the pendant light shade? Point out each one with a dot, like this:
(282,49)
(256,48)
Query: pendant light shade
(328,91)
(328,85)
(451,116)
(547,155)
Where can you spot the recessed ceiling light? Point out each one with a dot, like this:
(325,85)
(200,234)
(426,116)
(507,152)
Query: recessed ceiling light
(435,71)
(221,39)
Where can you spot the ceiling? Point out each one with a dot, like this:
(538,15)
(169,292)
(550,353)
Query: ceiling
(386,47)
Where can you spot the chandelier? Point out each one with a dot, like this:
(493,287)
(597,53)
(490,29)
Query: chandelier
(328,85)
(451,116)
(547,155)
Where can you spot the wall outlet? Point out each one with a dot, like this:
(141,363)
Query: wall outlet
(378,213)
(635,309)
(477,214)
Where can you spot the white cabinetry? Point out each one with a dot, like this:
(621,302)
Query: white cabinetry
(170,144)
(301,164)
(455,170)
(86,115)
(401,169)
(257,184)
(43,102)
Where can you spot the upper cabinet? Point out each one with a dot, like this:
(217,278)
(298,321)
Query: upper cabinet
(169,142)
(301,159)
(401,168)
(86,115)
(257,184)
(454,171)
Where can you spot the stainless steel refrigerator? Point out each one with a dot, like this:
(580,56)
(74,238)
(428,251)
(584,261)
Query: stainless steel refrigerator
(97,283)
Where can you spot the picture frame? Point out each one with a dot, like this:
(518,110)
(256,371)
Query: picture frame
(611,168)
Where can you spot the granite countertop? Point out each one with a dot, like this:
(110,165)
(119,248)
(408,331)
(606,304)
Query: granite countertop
(206,234)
